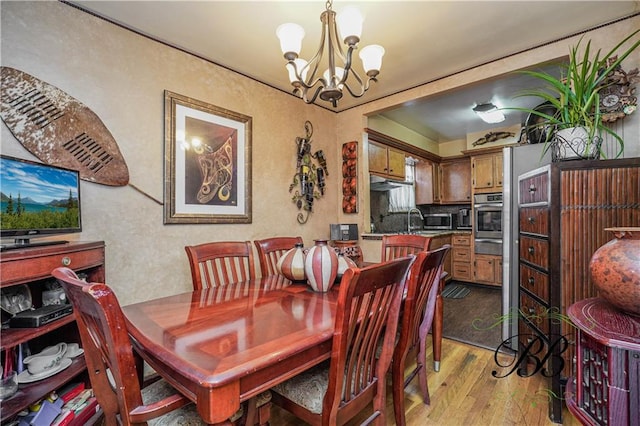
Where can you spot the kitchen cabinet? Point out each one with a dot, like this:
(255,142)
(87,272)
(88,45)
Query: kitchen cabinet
(487,172)
(455,181)
(438,241)
(488,269)
(426,182)
(461,257)
(386,161)
(32,267)
(563,211)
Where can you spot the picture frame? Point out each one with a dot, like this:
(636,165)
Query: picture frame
(207,174)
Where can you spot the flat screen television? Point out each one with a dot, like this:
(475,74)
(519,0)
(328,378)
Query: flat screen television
(38,200)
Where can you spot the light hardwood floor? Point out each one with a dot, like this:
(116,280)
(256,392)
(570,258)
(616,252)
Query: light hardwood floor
(464,392)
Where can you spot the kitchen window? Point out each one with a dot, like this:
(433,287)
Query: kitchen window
(403,198)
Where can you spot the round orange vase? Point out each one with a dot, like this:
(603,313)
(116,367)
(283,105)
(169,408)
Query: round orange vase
(615,270)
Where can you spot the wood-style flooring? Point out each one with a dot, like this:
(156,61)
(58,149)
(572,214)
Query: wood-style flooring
(464,392)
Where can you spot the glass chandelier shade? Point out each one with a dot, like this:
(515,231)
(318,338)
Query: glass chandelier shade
(305,76)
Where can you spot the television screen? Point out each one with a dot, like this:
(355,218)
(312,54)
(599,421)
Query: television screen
(37,200)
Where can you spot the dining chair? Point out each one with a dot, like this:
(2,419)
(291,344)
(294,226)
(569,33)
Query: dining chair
(335,391)
(414,325)
(220,263)
(271,249)
(401,245)
(115,372)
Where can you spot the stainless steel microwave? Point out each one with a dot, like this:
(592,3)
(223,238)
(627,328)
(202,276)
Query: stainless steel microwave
(438,221)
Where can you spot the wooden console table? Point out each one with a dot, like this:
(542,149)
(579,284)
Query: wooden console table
(605,388)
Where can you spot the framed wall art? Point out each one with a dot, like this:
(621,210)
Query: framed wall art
(207,174)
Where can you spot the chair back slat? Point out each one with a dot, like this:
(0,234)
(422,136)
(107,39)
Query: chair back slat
(368,309)
(220,263)
(422,288)
(271,249)
(402,245)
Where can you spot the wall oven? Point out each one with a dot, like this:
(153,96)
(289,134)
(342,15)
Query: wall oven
(488,223)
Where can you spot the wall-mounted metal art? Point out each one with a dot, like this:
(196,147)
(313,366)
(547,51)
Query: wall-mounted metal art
(309,178)
(350,177)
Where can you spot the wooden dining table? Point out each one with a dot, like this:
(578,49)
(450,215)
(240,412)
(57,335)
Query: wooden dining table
(221,346)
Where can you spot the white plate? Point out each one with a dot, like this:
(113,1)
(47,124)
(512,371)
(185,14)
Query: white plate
(26,377)
(77,354)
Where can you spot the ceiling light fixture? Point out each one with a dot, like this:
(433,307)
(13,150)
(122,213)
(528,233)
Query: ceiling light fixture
(489,113)
(307,82)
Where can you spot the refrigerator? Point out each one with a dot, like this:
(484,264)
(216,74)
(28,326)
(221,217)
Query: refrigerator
(516,161)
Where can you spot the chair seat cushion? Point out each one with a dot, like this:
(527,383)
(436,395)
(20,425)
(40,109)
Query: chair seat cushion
(308,388)
(184,416)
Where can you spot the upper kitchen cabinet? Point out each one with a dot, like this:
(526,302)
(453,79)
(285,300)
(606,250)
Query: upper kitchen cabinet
(427,183)
(455,181)
(386,161)
(486,172)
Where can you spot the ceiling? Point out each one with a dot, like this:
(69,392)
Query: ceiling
(424,41)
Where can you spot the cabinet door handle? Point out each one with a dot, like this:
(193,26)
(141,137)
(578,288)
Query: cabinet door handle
(531,281)
(531,250)
(532,188)
(532,311)
(488,183)
(531,220)
(66,261)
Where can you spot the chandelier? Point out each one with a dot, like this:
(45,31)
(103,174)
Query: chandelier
(304,76)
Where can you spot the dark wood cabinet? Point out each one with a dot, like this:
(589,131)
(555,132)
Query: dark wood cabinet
(564,209)
(455,181)
(605,386)
(32,267)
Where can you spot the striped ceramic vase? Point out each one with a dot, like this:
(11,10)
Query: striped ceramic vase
(291,264)
(321,266)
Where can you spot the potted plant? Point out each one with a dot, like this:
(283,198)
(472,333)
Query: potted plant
(575,96)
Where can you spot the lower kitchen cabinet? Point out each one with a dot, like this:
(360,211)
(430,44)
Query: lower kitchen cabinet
(461,257)
(488,269)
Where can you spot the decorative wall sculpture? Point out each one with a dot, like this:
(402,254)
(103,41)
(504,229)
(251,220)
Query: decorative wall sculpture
(349,177)
(309,178)
(59,129)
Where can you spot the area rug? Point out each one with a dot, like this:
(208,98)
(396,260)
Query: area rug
(474,318)
(453,291)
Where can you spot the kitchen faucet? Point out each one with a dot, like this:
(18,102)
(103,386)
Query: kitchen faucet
(409,217)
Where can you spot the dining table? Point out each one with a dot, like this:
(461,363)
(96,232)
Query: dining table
(224,345)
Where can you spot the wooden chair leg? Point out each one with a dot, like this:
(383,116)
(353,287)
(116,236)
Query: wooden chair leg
(397,386)
(436,333)
(264,414)
(422,371)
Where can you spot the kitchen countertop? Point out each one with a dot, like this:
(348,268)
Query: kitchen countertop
(378,235)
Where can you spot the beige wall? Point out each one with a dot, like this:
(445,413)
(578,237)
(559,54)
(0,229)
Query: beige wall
(122,76)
